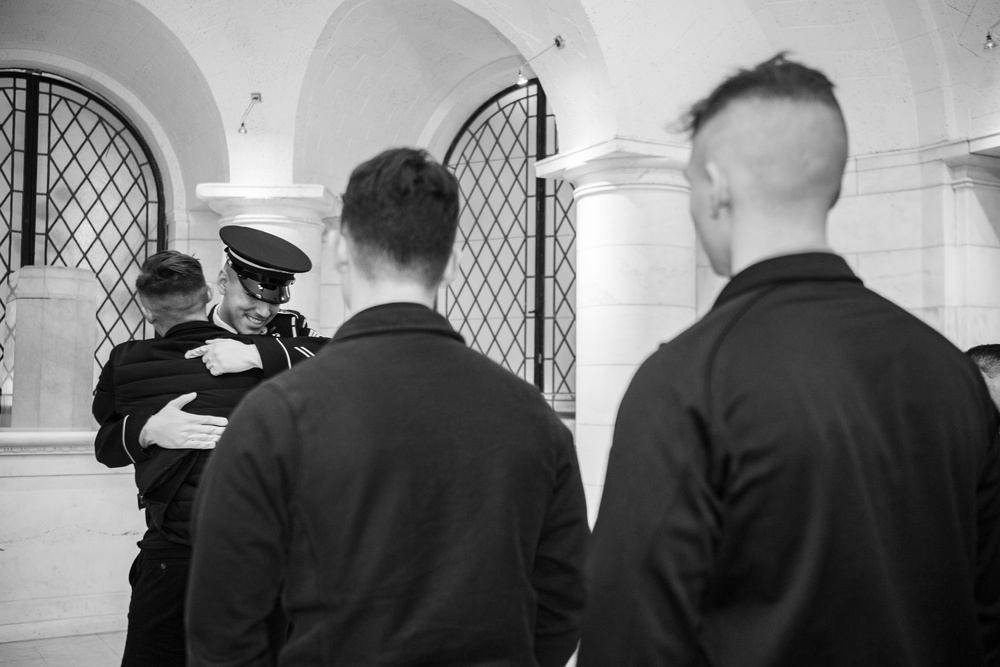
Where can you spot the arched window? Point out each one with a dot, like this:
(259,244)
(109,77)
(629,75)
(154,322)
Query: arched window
(515,300)
(78,188)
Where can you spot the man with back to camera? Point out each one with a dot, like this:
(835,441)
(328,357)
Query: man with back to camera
(987,358)
(414,502)
(139,378)
(807,476)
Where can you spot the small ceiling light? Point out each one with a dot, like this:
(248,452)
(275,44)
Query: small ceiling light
(254,99)
(557,43)
(991,42)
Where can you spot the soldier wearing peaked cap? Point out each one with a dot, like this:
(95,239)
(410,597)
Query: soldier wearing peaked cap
(256,279)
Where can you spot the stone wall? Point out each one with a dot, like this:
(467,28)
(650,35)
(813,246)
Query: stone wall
(67,536)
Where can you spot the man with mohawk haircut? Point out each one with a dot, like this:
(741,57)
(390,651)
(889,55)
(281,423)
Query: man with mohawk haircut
(808,475)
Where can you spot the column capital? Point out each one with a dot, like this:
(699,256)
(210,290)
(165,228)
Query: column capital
(619,163)
(242,204)
(971,170)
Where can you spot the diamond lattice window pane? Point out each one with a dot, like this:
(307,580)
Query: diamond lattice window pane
(97,204)
(494,303)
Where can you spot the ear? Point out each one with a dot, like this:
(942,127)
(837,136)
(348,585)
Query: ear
(208,295)
(220,283)
(451,269)
(720,195)
(147,314)
(342,251)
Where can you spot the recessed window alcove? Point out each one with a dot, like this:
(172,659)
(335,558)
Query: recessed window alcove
(78,188)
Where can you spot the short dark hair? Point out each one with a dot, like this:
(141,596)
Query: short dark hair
(172,280)
(401,209)
(774,79)
(987,357)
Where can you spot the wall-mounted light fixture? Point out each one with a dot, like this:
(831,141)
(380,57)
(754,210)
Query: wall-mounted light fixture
(254,99)
(557,43)
(991,41)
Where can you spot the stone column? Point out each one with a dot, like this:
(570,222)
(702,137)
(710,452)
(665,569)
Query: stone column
(635,277)
(293,212)
(55,309)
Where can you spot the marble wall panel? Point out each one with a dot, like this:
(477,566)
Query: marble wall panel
(971,325)
(877,222)
(67,541)
(979,280)
(898,275)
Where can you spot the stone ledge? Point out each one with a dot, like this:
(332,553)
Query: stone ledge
(33,442)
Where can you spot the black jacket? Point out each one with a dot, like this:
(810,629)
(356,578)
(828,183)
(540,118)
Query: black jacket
(139,378)
(414,503)
(807,476)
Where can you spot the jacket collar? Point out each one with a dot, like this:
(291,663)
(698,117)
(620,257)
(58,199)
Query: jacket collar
(804,267)
(187,327)
(396,318)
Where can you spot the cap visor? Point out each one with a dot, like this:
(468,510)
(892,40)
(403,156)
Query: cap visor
(267,292)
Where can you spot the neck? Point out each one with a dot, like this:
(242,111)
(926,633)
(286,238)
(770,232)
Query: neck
(165,324)
(755,241)
(365,294)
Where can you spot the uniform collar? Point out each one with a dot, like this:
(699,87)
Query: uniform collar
(396,318)
(213,315)
(803,267)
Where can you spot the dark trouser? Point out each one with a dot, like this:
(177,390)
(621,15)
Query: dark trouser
(156,612)
(155,636)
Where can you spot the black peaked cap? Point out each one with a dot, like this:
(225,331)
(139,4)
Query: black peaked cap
(266,250)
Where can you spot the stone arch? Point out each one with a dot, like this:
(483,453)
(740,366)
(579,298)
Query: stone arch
(386,72)
(968,84)
(694,44)
(392,72)
(129,56)
(909,74)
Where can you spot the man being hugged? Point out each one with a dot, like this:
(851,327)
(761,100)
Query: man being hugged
(139,380)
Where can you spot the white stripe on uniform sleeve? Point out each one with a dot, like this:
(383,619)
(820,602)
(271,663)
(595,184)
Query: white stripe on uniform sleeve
(284,349)
(127,453)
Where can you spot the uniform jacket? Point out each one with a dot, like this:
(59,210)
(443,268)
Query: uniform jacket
(421,504)
(807,476)
(276,350)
